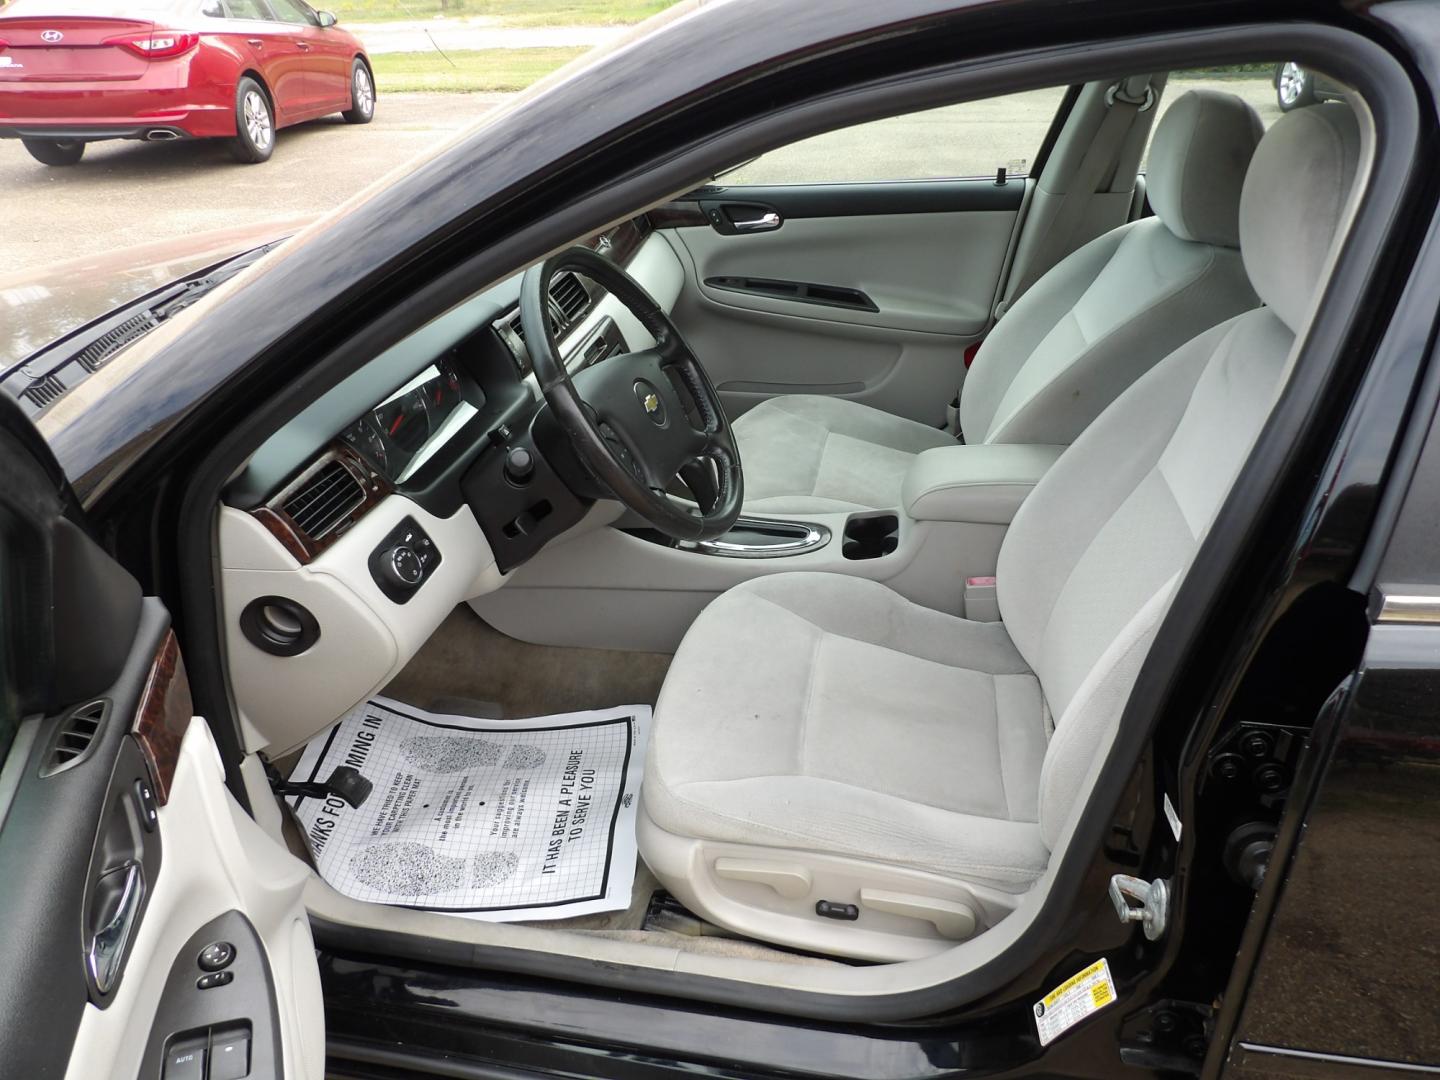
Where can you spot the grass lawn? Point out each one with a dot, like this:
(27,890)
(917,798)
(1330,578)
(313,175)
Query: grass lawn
(477,69)
(511,12)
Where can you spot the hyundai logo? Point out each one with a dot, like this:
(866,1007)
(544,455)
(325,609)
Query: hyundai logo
(51,36)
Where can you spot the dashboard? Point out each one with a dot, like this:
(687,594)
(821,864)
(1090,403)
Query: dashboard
(432,415)
(415,483)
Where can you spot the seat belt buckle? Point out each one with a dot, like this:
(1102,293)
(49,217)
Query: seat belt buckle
(981,604)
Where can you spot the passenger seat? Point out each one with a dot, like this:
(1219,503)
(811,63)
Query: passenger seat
(1085,331)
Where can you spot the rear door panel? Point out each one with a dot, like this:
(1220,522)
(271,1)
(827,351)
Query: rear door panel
(907,274)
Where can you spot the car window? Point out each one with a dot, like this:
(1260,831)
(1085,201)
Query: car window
(971,139)
(292,11)
(247,9)
(213,8)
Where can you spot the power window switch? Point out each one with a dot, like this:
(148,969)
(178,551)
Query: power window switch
(230,1058)
(185,1063)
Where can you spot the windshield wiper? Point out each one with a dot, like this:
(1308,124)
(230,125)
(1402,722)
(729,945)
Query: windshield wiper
(47,375)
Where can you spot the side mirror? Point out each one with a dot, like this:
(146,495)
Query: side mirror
(327,19)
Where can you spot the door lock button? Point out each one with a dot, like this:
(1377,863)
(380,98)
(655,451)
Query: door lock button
(216,956)
(145,800)
(214,979)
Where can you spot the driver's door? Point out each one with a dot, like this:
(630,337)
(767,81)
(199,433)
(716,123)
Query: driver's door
(148,927)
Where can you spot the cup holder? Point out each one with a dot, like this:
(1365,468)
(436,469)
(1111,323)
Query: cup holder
(871,537)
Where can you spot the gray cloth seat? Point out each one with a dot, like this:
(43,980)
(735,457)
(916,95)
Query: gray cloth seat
(818,728)
(1080,335)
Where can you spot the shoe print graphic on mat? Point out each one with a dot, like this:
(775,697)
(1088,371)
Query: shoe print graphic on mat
(449,753)
(404,868)
(492,868)
(524,756)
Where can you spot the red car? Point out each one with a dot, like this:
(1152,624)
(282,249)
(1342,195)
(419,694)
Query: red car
(74,72)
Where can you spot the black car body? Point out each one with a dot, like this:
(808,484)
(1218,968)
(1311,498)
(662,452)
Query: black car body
(1304,923)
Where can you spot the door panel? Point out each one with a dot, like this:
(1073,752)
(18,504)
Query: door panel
(329,68)
(867,291)
(120,845)
(58,833)
(284,67)
(236,883)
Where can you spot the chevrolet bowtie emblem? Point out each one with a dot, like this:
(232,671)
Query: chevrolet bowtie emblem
(651,403)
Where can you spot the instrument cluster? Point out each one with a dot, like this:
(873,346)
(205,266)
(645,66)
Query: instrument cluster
(393,434)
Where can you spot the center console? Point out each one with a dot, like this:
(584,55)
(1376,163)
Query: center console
(624,585)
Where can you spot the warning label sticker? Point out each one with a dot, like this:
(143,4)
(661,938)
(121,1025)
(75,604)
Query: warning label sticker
(1081,995)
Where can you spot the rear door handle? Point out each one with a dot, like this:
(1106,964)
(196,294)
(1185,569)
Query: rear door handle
(107,947)
(259,43)
(303,47)
(736,218)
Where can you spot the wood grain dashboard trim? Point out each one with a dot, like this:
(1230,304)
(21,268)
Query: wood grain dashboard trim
(301,546)
(677,215)
(166,707)
(622,242)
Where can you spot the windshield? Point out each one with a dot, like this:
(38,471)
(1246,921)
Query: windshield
(142,142)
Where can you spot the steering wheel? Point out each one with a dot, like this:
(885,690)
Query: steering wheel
(638,420)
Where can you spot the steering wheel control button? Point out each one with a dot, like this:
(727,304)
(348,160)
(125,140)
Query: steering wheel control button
(214,979)
(519,465)
(216,957)
(402,561)
(650,402)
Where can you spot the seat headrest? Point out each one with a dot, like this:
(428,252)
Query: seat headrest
(1290,209)
(1198,159)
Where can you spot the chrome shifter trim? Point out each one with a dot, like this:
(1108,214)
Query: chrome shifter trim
(807,536)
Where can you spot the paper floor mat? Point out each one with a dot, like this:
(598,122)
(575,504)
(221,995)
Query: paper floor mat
(490,819)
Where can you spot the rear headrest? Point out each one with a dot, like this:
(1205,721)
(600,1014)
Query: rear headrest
(1290,209)
(1198,159)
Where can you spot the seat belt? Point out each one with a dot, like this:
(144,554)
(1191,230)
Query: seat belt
(1123,102)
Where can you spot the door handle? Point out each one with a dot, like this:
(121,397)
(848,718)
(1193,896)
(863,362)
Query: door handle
(259,43)
(734,218)
(303,47)
(107,947)
(766,221)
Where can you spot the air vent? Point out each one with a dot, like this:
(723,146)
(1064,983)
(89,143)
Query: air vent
(570,298)
(77,734)
(42,393)
(94,355)
(325,500)
(518,329)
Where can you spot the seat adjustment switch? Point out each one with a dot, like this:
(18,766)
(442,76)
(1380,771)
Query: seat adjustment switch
(829,909)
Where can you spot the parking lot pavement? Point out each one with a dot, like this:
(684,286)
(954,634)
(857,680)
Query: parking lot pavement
(126,193)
